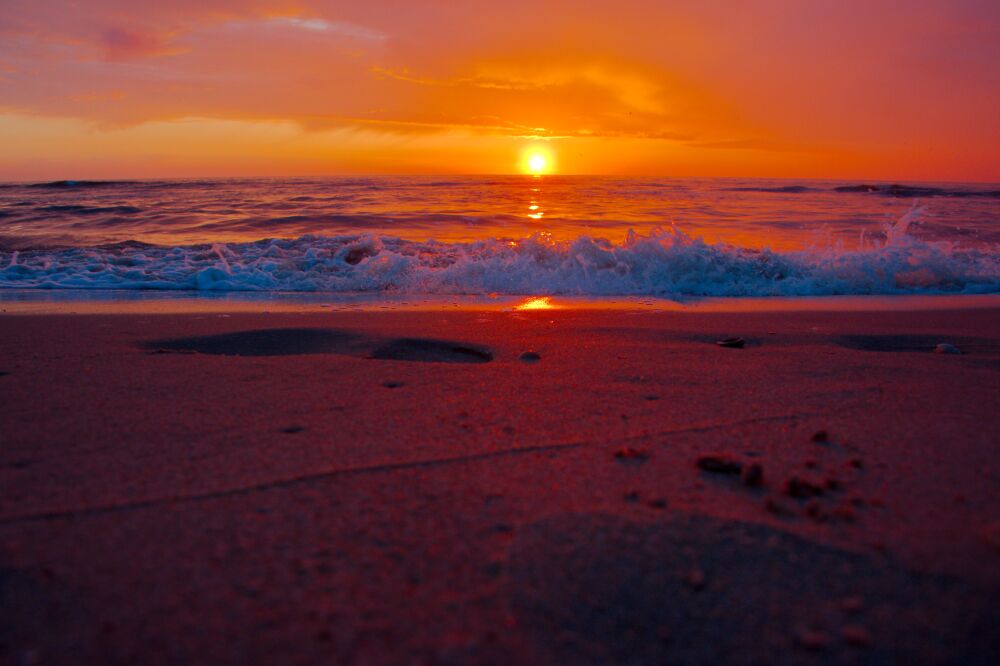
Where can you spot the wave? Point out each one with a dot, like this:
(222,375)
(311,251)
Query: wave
(83,184)
(889,190)
(76,209)
(783,189)
(666,262)
(914,191)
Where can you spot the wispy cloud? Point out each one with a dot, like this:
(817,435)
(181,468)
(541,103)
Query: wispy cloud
(338,28)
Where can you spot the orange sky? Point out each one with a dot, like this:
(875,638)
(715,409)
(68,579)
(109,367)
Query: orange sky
(792,88)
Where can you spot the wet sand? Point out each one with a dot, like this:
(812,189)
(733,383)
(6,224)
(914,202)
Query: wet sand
(404,487)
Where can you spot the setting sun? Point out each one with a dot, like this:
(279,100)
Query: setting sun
(537,161)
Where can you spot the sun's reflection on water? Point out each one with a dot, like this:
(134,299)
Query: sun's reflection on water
(536,303)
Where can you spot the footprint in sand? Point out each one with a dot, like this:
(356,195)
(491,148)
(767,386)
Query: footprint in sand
(291,341)
(439,351)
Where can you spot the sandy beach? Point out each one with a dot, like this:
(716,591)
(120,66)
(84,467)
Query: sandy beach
(411,487)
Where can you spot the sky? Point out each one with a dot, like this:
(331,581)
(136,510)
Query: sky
(771,88)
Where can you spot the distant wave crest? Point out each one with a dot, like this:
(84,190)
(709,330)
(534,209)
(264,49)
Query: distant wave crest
(915,191)
(666,262)
(887,190)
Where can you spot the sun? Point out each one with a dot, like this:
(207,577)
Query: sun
(537,160)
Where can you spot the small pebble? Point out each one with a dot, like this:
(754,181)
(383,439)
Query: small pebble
(753,475)
(628,453)
(991,535)
(718,464)
(852,605)
(799,488)
(695,579)
(855,635)
(820,437)
(945,348)
(658,503)
(813,640)
(530,357)
(776,506)
(631,495)
(732,343)
(392,384)
(815,511)
(844,514)
(292,429)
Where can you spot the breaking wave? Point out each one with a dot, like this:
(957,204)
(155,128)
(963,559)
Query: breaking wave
(666,262)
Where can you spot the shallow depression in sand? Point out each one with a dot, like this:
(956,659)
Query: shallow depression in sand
(292,341)
(265,342)
(913,343)
(441,351)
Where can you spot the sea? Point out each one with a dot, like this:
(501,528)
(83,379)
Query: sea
(579,236)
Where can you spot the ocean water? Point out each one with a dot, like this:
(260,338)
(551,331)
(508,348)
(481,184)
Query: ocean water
(578,236)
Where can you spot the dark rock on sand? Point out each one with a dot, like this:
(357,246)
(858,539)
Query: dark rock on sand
(855,635)
(719,464)
(753,475)
(530,357)
(629,454)
(775,506)
(732,343)
(800,488)
(813,640)
(991,535)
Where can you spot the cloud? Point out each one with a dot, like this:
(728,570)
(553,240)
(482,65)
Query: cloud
(338,28)
(120,43)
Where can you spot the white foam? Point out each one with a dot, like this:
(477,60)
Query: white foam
(667,263)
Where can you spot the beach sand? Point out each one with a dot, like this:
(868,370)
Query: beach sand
(404,487)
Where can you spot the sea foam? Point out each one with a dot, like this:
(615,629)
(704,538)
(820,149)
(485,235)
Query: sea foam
(666,262)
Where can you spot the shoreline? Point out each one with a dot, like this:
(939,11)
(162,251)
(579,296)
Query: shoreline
(87,301)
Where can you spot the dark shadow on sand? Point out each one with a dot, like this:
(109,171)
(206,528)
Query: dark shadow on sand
(440,351)
(913,343)
(265,342)
(598,589)
(293,341)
